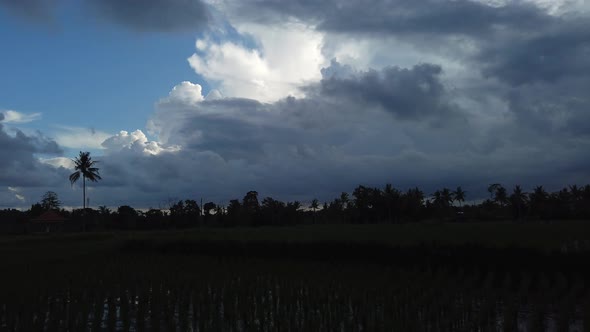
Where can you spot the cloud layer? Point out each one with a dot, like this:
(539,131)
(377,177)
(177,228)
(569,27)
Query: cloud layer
(317,97)
(144,15)
(154,15)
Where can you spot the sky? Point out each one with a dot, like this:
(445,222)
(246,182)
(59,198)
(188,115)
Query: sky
(296,99)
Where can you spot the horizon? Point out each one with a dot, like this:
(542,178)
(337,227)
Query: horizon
(214,98)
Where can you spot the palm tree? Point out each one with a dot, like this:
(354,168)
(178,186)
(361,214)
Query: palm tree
(447,197)
(492,188)
(315,204)
(576,193)
(538,199)
(501,196)
(459,196)
(85,168)
(518,200)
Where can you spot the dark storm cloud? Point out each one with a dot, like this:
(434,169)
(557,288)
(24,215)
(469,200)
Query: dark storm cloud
(19,166)
(517,42)
(32,9)
(558,109)
(407,93)
(154,15)
(376,126)
(546,54)
(461,17)
(319,145)
(143,15)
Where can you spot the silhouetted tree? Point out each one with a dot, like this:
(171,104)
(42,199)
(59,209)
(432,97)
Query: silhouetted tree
(36,210)
(577,197)
(315,204)
(126,217)
(442,200)
(501,196)
(207,207)
(362,203)
(560,204)
(250,207)
(271,211)
(492,189)
(413,203)
(234,212)
(84,166)
(391,197)
(104,211)
(184,214)
(155,218)
(50,201)
(192,212)
(250,202)
(459,196)
(518,200)
(292,211)
(538,200)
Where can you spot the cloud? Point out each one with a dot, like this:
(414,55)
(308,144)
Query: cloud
(546,54)
(38,10)
(57,162)
(407,93)
(79,138)
(462,17)
(16,192)
(312,98)
(185,93)
(10,116)
(154,15)
(341,134)
(137,142)
(19,166)
(144,15)
(285,58)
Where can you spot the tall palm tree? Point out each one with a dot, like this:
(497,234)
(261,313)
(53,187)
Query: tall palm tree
(501,196)
(518,200)
(447,197)
(459,196)
(85,168)
(315,204)
(492,188)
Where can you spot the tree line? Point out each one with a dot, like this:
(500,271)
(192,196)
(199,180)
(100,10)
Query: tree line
(364,205)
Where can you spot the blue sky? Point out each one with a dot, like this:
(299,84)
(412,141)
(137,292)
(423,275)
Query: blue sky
(295,99)
(84,73)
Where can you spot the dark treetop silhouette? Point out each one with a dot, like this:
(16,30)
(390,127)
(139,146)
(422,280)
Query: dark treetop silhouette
(85,167)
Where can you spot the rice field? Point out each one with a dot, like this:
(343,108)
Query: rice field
(119,282)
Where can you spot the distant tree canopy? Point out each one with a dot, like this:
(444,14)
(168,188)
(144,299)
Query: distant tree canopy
(365,205)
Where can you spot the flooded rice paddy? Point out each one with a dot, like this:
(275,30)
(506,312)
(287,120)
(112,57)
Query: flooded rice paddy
(129,292)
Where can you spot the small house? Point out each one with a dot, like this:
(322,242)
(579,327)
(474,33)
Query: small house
(49,221)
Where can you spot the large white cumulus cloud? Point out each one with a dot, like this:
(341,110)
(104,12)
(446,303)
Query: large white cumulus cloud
(284,58)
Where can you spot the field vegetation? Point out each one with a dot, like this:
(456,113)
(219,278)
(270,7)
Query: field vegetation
(409,277)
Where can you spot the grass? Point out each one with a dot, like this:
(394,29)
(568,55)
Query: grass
(543,237)
(536,236)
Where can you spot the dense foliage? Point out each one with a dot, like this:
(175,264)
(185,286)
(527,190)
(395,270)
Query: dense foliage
(365,205)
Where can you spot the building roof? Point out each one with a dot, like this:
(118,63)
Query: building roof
(49,216)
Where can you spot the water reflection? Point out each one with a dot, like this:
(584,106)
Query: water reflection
(307,297)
